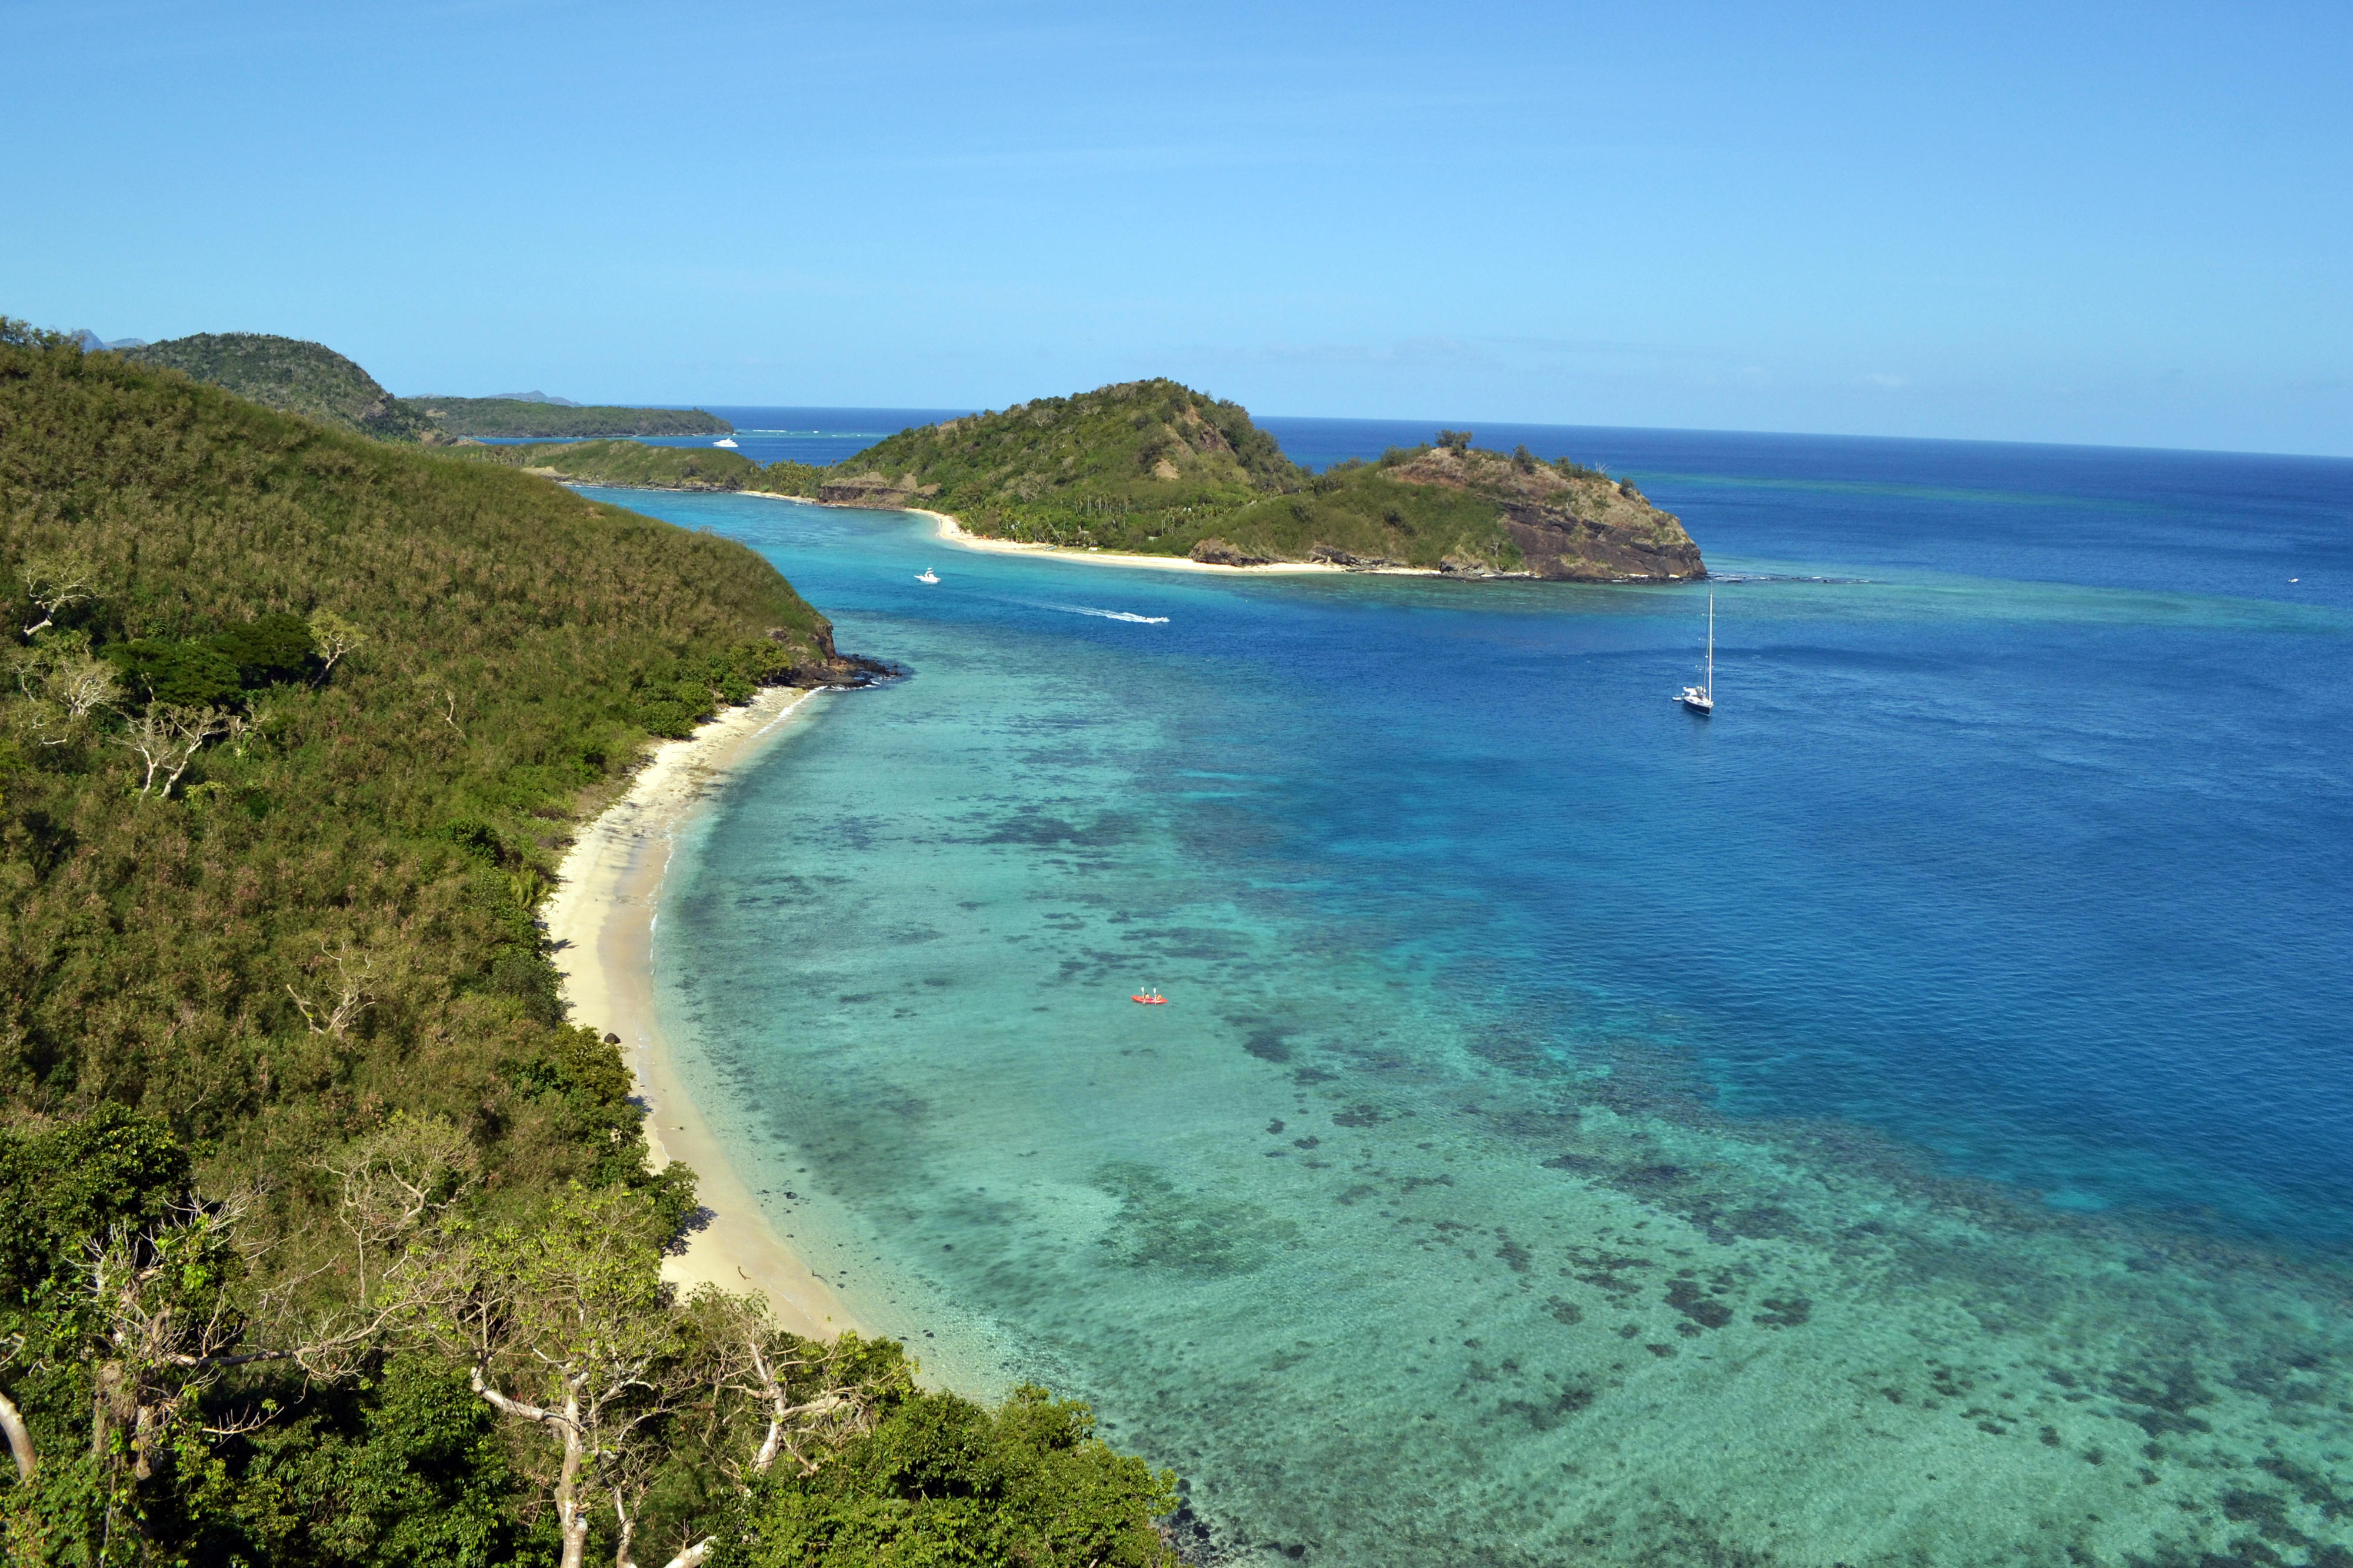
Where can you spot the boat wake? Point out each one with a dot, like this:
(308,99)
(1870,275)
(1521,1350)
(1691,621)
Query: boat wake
(1108,614)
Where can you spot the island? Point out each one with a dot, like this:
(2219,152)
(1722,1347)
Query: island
(528,417)
(1153,467)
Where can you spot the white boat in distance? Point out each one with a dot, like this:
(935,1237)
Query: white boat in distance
(725,441)
(927,575)
(1701,698)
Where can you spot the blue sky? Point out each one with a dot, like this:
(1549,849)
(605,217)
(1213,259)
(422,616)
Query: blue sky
(2120,224)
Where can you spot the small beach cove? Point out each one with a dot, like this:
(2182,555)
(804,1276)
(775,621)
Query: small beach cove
(1945,1161)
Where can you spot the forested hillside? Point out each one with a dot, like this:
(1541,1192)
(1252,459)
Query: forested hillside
(325,1237)
(1155,467)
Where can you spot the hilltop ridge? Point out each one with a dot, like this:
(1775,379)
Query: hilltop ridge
(290,375)
(296,376)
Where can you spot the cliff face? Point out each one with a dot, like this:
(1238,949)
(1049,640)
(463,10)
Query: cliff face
(1567,525)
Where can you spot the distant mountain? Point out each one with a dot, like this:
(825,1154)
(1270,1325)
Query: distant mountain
(91,343)
(291,377)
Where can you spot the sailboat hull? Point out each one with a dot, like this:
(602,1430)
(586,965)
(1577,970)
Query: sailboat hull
(1694,703)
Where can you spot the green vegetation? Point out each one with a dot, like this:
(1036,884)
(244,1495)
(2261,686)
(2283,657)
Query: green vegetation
(628,463)
(315,382)
(511,417)
(325,1238)
(1157,468)
(291,377)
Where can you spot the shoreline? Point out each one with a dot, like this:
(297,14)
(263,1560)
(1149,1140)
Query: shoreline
(600,920)
(953,532)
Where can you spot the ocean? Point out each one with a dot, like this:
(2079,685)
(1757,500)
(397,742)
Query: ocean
(1901,1119)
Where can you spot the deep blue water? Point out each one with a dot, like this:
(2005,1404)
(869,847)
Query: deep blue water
(2003,903)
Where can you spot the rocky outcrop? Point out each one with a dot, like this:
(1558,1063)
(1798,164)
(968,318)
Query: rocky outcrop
(1569,524)
(1218,552)
(1332,555)
(833,668)
(1561,547)
(877,490)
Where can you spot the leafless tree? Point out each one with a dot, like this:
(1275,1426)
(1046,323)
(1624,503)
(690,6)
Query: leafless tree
(808,1396)
(82,684)
(52,584)
(398,1183)
(334,637)
(62,684)
(351,997)
(167,737)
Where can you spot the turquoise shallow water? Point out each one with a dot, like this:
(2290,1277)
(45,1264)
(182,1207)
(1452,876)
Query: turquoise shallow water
(1899,1121)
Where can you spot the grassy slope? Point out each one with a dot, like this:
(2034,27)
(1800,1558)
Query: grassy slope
(515,416)
(522,642)
(1155,467)
(1144,458)
(291,377)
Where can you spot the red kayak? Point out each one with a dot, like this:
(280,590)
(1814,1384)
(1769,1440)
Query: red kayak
(1151,999)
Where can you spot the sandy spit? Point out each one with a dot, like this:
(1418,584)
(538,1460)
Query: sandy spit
(953,532)
(601,918)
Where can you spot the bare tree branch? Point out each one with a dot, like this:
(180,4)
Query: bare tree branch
(167,737)
(334,637)
(352,1000)
(53,586)
(20,1441)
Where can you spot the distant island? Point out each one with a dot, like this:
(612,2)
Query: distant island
(540,414)
(294,376)
(1153,467)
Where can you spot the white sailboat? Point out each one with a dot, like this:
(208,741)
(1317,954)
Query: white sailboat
(1701,698)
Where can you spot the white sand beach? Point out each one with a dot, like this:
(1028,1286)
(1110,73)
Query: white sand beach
(601,918)
(955,534)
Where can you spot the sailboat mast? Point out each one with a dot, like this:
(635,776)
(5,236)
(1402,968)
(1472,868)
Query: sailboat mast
(1711,646)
